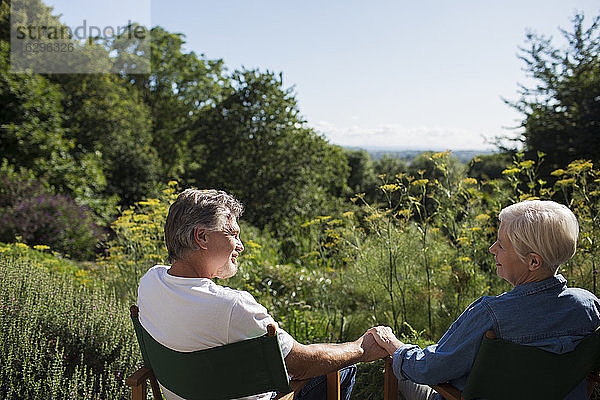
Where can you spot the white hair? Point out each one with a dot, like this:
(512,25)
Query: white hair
(546,228)
(205,209)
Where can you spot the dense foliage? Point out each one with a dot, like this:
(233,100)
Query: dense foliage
(59,340)
(412,260)
(562,109)
(106,139)
(34,214)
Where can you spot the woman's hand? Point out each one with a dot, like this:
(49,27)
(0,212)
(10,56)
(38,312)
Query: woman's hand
(385,338)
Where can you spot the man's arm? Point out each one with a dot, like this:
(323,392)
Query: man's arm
(308,361)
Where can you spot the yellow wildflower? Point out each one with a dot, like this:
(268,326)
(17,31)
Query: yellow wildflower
(420,182)
(482,217)
(511,171)
(390,187)
(528,197)
(403,213)
(308,223)
(250,243)
(149,202)
(565,182)
(580,165)
(442,154)
(526,164)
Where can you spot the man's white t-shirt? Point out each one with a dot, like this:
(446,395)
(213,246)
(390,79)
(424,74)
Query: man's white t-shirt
(188,314)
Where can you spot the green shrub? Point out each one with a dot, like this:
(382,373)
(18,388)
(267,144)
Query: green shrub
(61,340)
(41,256)
(32,212)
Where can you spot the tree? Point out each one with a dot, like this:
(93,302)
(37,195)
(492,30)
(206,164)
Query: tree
(104,118)
(562,111)
(179,88)
(32,133)
(32,136)
(255,144)
(362,178)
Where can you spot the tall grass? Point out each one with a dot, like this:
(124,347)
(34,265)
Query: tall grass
(59,339)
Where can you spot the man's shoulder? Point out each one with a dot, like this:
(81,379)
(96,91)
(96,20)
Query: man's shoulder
(156,270)
(242,299)
(154,273)
(233,294)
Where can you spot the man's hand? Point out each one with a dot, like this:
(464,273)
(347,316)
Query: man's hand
(371,349)
(384,336)
(307,361)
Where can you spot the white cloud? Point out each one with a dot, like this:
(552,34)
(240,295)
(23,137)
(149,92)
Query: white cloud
(396,136)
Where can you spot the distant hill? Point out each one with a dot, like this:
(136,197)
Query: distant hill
(407,155)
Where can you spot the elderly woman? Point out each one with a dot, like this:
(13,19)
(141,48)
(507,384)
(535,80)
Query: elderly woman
(534,238)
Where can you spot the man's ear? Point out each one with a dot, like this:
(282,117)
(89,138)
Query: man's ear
(200,238)
(535,261)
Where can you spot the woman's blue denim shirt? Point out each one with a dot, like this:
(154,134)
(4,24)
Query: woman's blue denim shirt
(544,314)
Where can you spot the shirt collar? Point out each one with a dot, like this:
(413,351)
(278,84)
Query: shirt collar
(534,287)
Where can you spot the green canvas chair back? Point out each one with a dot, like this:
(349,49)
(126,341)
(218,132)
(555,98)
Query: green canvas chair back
(504,370)
(234,370)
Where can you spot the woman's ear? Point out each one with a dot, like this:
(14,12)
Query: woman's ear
(535,261)
(200,238)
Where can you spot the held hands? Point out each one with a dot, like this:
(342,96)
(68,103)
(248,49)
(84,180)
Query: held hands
(385,338)
(370,348)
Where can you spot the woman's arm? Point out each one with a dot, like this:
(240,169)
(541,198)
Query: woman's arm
(451,358)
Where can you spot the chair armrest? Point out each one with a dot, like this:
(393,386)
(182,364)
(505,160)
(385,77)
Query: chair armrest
(333,385)
(139,376)
(448,391)
(390,382)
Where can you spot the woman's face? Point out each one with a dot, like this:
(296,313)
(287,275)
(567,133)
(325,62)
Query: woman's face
(508,264)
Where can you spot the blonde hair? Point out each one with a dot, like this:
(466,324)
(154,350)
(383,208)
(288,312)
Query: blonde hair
(546,228)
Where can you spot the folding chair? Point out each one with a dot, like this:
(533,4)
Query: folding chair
(505,370)
(234,370)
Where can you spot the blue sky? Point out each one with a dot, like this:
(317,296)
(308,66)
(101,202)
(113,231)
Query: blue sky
(382,74)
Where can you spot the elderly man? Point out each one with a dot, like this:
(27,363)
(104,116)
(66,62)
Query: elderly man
(182,308)
(534,239)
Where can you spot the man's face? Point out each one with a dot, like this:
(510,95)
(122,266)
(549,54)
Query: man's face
(225,246)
